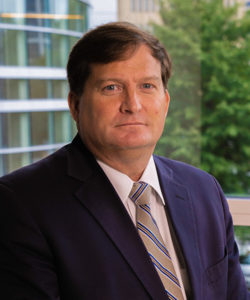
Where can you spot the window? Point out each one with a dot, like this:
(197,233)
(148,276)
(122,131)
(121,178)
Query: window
(36,6)
(59,50)
(38,89)
(140,5)
(59,89)
(28,131)
(10,42)
(152,5)
(38,43)
(62,128)
(37,155)
(13,89)
(15,130)
(40,128)
(13,161)
(132,5)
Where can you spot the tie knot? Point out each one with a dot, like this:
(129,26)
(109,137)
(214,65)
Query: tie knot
(140,193)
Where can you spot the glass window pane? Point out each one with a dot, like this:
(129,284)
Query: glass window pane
(14,161)
(10,7)
(78,10)
(61,126)
(72,40)
(37,155)
(13,89)
(73,128)
(61,8)
(36,6)
(2,89)
(15,132)
(2,45)
(38,89)
(10,42)
(152,5)
(59,89)
(140,5)
(2,167)
(39,128)
(38,43)
(59,50)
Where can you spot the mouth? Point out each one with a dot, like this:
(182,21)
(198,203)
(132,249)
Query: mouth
(130,124)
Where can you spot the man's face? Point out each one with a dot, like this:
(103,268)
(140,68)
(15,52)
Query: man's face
(123,106)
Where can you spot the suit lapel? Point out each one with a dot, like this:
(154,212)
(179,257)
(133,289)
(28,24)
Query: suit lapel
(180,210)
(98,196)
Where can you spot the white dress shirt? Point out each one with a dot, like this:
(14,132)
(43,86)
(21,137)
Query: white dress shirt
(123,185)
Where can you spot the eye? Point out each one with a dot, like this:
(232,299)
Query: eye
(111,87)
(147,85)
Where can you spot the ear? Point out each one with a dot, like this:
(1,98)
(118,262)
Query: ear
(73,102)
(167,97)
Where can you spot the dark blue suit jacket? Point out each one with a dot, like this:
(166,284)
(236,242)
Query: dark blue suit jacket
(64,234)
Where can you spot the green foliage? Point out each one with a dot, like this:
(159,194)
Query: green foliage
(181,36)
(242,233)
(226,97)
(208,123)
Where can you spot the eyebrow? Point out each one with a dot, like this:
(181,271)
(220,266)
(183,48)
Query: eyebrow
(149,78)
(117,79)
(100,81)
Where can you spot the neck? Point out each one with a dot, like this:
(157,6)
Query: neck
(132,163)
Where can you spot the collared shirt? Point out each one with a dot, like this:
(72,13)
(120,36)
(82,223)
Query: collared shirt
(123,185)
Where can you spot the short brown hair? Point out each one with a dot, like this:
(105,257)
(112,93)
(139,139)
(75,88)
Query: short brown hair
(108,43)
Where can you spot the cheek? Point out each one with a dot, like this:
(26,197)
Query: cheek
(159,110)
(88,111)
(164,108)
(159,117)
(104,113)
(97,119)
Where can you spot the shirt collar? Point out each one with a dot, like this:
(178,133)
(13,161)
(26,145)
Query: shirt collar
(123,184)
(150,176)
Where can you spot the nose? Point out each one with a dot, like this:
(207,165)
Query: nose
(131,102)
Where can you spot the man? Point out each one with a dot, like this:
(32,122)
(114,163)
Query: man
(71,228)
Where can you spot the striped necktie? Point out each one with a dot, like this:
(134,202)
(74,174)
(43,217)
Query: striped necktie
(153,241)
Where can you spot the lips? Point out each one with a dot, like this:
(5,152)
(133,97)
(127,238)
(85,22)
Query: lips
(130,124)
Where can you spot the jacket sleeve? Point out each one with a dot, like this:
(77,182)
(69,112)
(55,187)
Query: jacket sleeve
(26,263)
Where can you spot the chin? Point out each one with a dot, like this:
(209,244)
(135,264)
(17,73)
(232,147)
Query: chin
(134,145)
(132,142)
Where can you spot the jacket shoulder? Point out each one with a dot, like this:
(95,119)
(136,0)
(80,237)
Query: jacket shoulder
(181,171)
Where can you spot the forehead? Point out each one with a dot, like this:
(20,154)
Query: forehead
(139,62)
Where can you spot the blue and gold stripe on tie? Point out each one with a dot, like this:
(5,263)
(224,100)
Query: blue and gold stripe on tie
(150,235)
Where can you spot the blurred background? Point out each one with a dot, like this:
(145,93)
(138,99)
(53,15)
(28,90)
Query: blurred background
(208,124)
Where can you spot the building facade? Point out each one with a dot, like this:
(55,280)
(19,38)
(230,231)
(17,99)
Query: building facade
(35,39)
(143,12)
(139,12)
(243,5)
